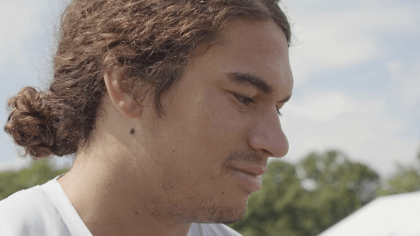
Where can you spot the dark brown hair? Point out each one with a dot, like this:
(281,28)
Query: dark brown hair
(153,39)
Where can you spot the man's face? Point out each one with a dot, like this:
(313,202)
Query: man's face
(220,121)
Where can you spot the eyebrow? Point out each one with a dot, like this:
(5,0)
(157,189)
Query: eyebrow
(253,81)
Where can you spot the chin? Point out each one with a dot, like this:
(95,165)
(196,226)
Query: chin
(232,219)
(199,209)
(222,214)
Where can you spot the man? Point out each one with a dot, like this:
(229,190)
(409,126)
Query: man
(171,108)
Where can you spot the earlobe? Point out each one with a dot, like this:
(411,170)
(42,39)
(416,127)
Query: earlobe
(119,94)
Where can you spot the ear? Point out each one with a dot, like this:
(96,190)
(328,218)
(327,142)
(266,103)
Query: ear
(119,93)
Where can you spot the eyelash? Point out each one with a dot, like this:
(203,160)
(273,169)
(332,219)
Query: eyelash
(241,99)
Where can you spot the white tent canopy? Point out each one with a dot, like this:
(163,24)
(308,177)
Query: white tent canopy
(396,215)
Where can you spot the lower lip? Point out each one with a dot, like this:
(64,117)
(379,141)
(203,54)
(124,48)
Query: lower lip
(250,182)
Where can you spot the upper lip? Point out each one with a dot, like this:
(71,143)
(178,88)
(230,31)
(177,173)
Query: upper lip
(250,169)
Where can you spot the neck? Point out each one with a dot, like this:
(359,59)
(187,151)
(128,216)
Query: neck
(111,198)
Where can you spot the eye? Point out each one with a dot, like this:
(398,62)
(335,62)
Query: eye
(246,100)
(243,99)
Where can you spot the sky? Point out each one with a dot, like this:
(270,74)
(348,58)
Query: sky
(356,67)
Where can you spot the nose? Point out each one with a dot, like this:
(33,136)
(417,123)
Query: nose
(267,136)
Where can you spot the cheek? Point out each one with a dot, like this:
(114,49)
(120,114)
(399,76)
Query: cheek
(219,129)
(205,131)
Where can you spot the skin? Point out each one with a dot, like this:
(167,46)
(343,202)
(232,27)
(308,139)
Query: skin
(173,171)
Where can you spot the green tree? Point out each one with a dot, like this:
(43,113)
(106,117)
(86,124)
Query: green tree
(406,179)
(38,173)
(338,188)
(307,198)
(274,208)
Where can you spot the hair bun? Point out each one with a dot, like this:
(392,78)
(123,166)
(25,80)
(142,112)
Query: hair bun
(30,122)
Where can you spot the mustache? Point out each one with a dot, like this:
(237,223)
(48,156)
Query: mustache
(244,156)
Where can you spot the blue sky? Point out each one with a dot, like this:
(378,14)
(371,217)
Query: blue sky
(356,66)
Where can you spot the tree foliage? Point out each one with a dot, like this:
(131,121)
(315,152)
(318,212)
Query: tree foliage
(266,215)
(307,198)
(301,199)
(339,187)
(405,180)
(38,173)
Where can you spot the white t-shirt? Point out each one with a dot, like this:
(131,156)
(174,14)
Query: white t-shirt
(46,211)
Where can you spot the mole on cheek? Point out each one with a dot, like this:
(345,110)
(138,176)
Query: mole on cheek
(223,193)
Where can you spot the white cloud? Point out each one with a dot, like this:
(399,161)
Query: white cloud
(11,159)
(331,36)
(361,128)
(17,24)
(15,164)
(327,40)
(322,106)
(26,26)
(326,106)
(406,84)
(18,163)
(331,40)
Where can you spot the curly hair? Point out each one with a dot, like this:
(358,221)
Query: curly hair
(152,39)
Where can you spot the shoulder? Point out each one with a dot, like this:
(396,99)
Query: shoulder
(218,229)
(29,212)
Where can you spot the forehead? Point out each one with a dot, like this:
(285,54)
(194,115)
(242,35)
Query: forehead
(258,48)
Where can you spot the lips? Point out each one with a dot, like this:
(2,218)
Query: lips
(249,169)
(248,176)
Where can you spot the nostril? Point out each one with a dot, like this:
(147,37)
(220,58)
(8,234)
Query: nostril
(268,153)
